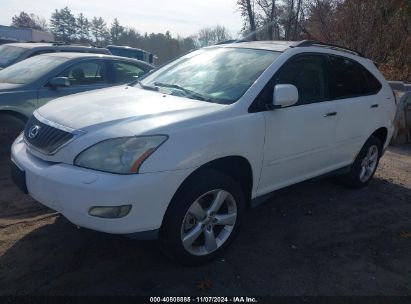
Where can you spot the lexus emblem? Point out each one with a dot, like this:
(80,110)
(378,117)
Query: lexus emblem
(34,130)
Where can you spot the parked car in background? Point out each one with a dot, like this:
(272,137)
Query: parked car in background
(130,52)
(33,82)
(181,154)
(14,52)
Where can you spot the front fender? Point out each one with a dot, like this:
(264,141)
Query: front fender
(21,102)
(191,148)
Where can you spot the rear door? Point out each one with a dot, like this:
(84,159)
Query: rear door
(85,75)
(353,89)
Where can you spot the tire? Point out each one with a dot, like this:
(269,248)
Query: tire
(365,164)
(196,223)
(10,128)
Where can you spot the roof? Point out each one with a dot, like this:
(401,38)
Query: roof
(28,45)
(123,47)
(262,45)
(74,55)
(281,46)
(52,45)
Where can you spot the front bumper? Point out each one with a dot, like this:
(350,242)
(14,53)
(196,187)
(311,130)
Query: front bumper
(72,191)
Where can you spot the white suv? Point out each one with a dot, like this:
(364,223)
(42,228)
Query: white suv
(181,154)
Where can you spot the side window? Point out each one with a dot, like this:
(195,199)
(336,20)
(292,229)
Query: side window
(307,72)
(86,73)
(347,79)
(373,85)
(126,72)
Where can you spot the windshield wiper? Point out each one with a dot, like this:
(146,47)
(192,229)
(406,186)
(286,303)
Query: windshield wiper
(147,87)
(187,91)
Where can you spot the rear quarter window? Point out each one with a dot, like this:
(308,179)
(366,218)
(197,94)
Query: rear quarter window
(373,85)
(350,79)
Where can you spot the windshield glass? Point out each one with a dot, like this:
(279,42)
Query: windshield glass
(220,75)
(8,54)
(31,69)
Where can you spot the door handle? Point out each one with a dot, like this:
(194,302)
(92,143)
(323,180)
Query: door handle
(330,114)
(375,105)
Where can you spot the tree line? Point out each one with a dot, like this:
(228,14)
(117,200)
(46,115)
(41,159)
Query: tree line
(69,28)
(379,29)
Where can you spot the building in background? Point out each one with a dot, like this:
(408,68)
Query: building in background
(17,34)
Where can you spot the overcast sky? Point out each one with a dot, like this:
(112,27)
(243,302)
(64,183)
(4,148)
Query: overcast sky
(184,17)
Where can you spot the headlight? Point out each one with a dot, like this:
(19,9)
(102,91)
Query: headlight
(119,155)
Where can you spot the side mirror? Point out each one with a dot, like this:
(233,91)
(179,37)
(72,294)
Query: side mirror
(284,95)
(59,82)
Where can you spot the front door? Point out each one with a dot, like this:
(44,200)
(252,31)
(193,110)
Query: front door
(299,142)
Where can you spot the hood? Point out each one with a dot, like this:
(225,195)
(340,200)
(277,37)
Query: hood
(90,109)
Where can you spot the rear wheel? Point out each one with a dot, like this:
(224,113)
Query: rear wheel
(203,218)
(365,164)
(10,128)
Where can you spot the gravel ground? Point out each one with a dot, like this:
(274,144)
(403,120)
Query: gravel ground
(317,238)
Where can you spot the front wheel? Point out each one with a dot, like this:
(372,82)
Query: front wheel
(365,164)
(203,218)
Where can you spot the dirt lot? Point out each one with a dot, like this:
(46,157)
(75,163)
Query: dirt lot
(317,239)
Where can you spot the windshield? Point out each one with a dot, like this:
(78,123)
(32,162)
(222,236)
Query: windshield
(220,75)
(31,69)
(8,54)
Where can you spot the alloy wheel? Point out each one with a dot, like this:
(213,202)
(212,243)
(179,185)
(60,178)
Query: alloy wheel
(209,222)
(369,163)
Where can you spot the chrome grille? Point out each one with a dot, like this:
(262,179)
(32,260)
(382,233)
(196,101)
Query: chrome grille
(43,137)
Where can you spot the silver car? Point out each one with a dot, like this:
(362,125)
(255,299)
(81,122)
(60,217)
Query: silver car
(12,53)
(31,83)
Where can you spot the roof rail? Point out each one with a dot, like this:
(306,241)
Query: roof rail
(57,43)
(231,41)
(38,41)
(307,43)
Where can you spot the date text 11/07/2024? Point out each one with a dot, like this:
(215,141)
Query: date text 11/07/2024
(203,300)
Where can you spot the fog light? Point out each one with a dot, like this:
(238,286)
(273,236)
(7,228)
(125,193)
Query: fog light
(110,212)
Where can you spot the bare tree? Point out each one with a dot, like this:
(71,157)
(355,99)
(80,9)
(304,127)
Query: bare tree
(380,29)
(269,17)
(29,21)
(246,9)
(208,35)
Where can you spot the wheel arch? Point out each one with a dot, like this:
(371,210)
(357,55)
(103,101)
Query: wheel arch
(237,167)
(382,135)
(14,114)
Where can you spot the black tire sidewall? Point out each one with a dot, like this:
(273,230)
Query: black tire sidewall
(170,235)
(354,175)
(10,128)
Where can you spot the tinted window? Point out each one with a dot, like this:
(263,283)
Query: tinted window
(373,85)
(126,72)
(86,73)
(306,72)
(347,78)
